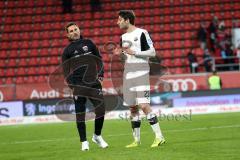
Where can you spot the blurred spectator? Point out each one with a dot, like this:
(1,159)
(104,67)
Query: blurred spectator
(192,62)
(207,61)
(214,81)
(67,6)
(202,35)
(212,29)
(230,60)
(221,35)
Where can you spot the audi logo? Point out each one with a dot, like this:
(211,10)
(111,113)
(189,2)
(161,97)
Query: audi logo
(176,85)
(182,84)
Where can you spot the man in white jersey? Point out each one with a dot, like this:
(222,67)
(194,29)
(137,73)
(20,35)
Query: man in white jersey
(137,47)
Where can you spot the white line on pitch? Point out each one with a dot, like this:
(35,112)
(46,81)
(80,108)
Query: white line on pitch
(116,135)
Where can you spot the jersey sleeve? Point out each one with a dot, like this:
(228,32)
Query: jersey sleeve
(147,48)
(144,44)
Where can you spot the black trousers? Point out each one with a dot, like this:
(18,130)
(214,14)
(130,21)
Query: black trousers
(94,94)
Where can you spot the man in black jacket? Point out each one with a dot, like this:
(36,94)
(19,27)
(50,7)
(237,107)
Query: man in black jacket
(83,72)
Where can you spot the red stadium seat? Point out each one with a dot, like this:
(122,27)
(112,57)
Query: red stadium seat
(55,51)
(51,69)
(14,44)
(187,35)
(166,36)
(22,62)
(9,80)
(31,70)
(167,63)
(180,70)
(13,53)
(44,61)
(19,80)
(30,79)
(41,78)
(37,19)
(2,72)
(42,70)
(54,60)
(5,36)
(34,52)
(25,35)
(35,44)
(11,62)
(21,71)
(35,35)
(33,61)
(178,44)
(188,43)
(67,18)
(177,62)
(24,53)
(178,35)
(2,62)
(187,26)
(44,51)
(179,53)
(10,72)
(167,45)
(45,43)
(106,75)
(47,26)
(55,34)
(177,10)
(27,19)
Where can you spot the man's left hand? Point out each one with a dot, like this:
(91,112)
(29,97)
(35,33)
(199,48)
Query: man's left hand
(129,51)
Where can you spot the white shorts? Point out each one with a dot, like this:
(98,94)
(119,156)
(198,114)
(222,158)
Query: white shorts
(136,88)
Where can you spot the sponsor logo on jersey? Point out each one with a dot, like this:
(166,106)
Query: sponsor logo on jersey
(85,48)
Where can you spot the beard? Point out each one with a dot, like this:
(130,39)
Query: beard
(74,37)
(124,27)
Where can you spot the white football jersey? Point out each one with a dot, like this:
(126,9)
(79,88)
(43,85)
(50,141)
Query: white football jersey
(138,40)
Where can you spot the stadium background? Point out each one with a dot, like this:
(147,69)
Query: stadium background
(32,39)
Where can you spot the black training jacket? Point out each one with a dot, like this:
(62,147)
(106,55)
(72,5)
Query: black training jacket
(82,62)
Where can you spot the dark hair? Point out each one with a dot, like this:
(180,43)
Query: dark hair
(127,15)
(70,24)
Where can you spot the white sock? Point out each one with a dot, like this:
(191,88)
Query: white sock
(136,134)
(155,127)
(136,131)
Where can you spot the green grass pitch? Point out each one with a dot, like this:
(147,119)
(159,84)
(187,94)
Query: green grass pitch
(204,137)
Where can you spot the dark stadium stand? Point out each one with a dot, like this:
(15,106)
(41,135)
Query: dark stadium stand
(32,32)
